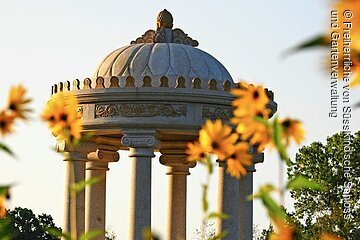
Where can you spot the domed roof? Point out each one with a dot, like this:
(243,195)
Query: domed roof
(162,59)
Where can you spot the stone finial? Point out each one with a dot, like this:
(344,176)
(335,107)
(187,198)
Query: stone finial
(180,82)
(76,84)
(227,86)
(114,82)
(66,86)
(164,81)
(164,32)
(87,83)
(164,20)
(212,84)
(130,81)
(146,81)
(61,87)
(100,82)
(196,83)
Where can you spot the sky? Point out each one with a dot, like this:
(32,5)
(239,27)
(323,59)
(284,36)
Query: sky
(45,42)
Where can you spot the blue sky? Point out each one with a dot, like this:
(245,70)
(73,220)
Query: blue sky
(45,42)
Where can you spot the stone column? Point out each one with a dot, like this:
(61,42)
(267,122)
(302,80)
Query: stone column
(75,164)
(174,156)
(245,205)
(228,203)
(75,160)
(141,144)
(95,207)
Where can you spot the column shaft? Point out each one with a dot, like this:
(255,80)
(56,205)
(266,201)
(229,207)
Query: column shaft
(246,207)
(96,198)
(176,218)
(78,169)
(228,203)
(140,202)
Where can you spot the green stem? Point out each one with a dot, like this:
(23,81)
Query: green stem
(205,210)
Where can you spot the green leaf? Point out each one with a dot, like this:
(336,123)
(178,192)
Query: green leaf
(269,203)
(273,208)
(317,41)
(79,186)
(91,234)
(6,149)
(147,234)
(83,138)
(4,190)
(277,140)
(209,164)
(302,182)
(261,120)
(219,215)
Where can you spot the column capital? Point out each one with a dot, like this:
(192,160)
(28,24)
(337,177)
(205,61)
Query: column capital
(258,157)
(176,161)
(139,139)
(103,155)
(175,157)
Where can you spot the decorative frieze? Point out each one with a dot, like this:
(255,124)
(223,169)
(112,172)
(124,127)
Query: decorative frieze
(217,113)
(140,110)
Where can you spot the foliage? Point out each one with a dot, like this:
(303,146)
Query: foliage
(317,211)
(23,224)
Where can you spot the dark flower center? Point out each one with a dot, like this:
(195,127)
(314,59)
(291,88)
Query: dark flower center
(260,114)
(2,124)
(12,107)
(256,95)
(52,118)
(63,117)
(286,124)
(215,145)
(233,156)
(202,155)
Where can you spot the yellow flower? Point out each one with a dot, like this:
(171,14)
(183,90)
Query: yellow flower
(6,123)
(354,7)
(60,113)
(292,129)
(284,231)
(2,207)
(250,97)
(348,11)
(17,102)
(195,152)
(216,137)
(252,129)
(239,158)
